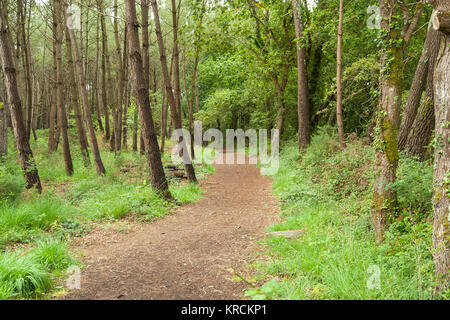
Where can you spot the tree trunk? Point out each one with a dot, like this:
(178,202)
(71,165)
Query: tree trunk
(52,143)
(3,130)
(84,98)
(384,198)
(152,152)
(82,137)
(303,103)
(100,105)
(120,84)
(431,47)
(21,10)
(23,147)
(422,129)
(58,8)
(441,201)
(176,117)
(340,123)
(105,70)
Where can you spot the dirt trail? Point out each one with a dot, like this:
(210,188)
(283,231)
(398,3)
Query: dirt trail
(185,255)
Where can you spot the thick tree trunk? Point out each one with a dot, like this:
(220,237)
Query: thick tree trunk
(152,152)
(84,98)
(422,128)
(303,103)
(431,47)
(441,201)
(340,123)
(176,117)
(58,8)
(387,156)
(23,147)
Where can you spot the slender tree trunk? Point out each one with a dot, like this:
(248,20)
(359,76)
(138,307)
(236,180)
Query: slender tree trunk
(58,8)
(100,104)
(441,199)
(156,170)
(23,147)
(340,123)
(164,109)
(82,137)
(52,140)
(120,84)
(135,130)
(190,112)
(304,105)
(176,117)
(84,98)
(26,65)
(3,130)
(105,70)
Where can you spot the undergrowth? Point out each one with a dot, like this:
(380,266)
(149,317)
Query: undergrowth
(327,193)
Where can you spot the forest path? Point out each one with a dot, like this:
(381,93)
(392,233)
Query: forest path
(185,255)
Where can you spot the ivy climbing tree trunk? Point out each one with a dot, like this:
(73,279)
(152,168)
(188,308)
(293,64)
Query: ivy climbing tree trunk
(395,40)
(15,105)
(441,201)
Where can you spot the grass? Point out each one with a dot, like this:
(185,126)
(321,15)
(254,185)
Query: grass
(34,228)
(328,194)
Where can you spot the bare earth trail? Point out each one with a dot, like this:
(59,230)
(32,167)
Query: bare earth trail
(187,254)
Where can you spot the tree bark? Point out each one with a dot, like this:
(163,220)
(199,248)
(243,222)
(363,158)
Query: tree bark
(441,201)
(431,47)
(152,152)
(84,98)
(387,156)
(422,128)
(23,146)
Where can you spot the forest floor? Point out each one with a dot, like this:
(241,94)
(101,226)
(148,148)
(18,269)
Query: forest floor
(190,254)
